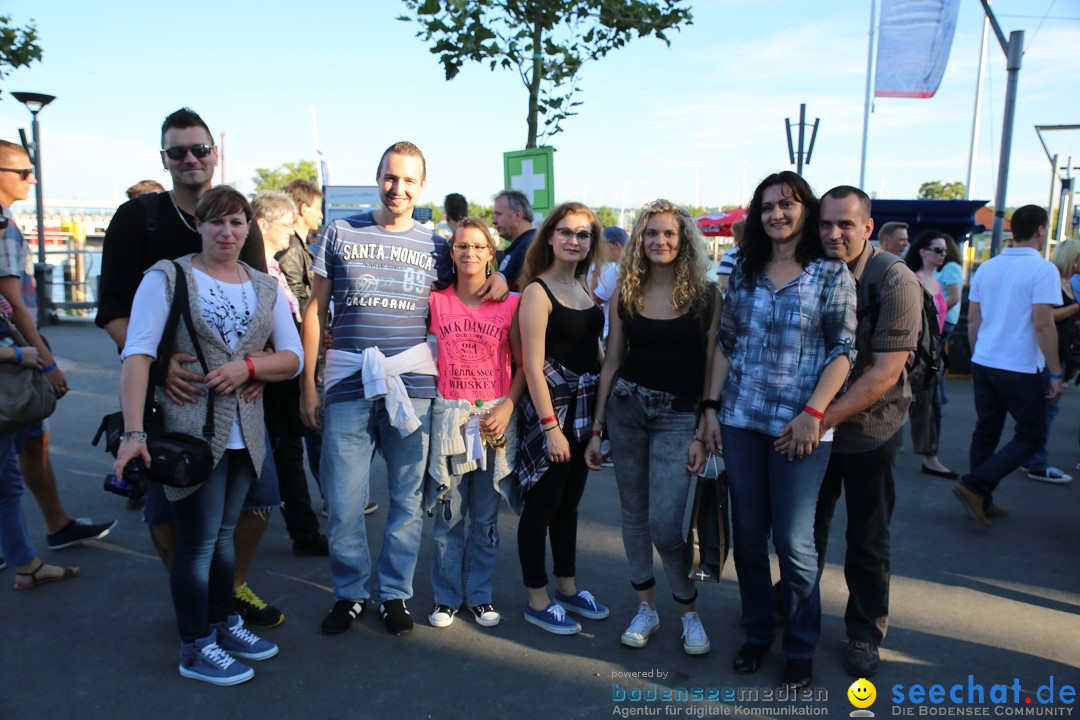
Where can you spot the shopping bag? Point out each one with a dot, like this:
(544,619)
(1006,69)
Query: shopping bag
(705,523)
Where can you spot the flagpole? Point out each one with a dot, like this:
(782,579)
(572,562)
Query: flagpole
(968,191)
(866,108)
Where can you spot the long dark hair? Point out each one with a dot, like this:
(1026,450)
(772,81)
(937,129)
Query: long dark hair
(922,242)
(539,256)
(755,250)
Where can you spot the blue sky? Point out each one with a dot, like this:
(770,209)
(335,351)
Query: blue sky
(700,121)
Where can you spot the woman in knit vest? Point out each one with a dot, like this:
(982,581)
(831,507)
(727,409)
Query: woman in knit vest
(237,313)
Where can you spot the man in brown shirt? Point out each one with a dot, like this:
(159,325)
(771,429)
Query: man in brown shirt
(868,418)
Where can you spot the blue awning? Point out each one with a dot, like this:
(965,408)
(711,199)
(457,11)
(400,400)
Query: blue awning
(956,217)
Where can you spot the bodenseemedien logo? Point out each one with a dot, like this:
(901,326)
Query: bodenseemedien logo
(972,698)
(862,695)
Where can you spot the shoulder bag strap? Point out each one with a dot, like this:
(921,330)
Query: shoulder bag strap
(180,297)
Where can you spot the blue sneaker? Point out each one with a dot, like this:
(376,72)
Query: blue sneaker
(584,604)
(205,660)
(553,619)
(240,642)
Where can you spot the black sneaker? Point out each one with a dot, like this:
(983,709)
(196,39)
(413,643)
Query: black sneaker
(862,659)
(341,616)
(485,615)
(76,532)
(441,616)
(254,610)
(396,616)
(312,546)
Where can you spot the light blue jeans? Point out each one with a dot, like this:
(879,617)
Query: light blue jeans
(463,566)
(352,431)
(14,535)
(650,441)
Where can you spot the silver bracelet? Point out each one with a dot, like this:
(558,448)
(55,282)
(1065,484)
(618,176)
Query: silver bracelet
(136,435)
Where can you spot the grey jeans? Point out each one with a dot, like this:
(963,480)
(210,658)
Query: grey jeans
(649,444)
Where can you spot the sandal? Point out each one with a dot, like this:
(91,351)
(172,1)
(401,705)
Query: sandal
(68,573)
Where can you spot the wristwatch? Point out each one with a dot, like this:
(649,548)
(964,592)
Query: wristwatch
(136,435)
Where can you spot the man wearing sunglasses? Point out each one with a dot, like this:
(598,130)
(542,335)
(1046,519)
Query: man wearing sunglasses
(161,226)
(17,287)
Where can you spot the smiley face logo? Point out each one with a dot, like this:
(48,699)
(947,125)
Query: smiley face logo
(862,693)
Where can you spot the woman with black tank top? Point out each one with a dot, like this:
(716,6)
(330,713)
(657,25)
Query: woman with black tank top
(559,326)
(661,317)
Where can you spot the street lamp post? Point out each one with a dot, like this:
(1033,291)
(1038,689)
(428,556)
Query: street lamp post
(34,102)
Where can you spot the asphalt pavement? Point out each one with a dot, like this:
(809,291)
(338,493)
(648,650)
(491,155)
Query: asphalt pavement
(971,609)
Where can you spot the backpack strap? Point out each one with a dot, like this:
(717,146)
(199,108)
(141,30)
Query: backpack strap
(870,286)
(150,203)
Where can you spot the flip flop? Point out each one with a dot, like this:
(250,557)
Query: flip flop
(68,573)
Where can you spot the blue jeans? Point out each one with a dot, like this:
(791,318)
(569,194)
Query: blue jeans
(464,563)
(14,535)
(651,441)
(999,393)
(201,577)
(1040,460)
(771,493)
(353,431)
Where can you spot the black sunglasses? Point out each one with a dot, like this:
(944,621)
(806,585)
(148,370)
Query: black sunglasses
(179,152)
(23,173)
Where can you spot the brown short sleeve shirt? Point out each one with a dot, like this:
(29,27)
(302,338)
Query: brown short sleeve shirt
(897,329)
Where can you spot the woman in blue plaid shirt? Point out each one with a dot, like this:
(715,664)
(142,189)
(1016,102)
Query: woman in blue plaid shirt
(784,349)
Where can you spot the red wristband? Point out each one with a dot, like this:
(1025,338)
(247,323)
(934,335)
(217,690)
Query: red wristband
(251,368)
(549,419)
(697,439)
(813,413)
(597,433)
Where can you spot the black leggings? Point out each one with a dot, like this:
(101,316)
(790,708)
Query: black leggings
(551,509)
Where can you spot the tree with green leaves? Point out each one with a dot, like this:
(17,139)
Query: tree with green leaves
(938,190)
(606,216)
(546,41)
(17,46)
(281,176)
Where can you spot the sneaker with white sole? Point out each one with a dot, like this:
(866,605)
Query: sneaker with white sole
(240,642)
(1051,475)
(553,619)
(205,660)
(441,616)
(584,604)
(695,641)
(485,614)
(642,627)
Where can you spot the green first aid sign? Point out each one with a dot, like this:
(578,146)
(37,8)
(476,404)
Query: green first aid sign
(532,173)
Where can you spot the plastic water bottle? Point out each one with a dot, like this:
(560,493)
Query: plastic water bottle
(483,414)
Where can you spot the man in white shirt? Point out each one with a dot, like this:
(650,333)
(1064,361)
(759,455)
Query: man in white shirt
(1012,333)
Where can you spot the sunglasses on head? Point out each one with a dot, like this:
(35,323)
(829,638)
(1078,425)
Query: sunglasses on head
(23,173)
(179,152)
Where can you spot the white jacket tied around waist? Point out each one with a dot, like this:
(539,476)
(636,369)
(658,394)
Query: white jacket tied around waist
(382,378)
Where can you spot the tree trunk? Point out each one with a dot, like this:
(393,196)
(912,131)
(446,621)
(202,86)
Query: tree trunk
(534,85)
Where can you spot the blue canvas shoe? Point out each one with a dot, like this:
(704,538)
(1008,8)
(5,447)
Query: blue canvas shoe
(584,604)
(553,619)
(240,642)
(205,660)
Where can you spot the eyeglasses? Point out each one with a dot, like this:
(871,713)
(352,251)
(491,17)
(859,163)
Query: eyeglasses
(465,247)
(23,173)
(583,236)
(938,250)
(179,152)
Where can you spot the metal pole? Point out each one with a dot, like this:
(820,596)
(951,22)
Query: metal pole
(972,153)
(1015,54)
(41,268)
(866,105)
(1053,186)
(802,130)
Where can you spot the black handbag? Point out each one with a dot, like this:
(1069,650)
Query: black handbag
(705,524)
(26,397)
(176,459)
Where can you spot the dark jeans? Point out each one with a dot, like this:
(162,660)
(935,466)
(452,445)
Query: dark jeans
(300,520)
(999,393)
(201,578)
(773,495)
(866,479)
(551,509)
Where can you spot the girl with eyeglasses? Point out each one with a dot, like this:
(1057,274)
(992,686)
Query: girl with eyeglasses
(661,318)
(560,326)
(925,257)
(473,429)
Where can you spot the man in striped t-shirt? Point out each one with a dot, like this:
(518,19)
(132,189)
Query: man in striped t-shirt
(378,269)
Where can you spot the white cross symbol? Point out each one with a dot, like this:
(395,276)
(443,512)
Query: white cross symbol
(702,575)
(528,181)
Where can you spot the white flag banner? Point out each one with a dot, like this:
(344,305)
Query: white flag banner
(913,46)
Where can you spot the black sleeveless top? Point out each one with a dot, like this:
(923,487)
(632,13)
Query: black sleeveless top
(665,355)
(573,336)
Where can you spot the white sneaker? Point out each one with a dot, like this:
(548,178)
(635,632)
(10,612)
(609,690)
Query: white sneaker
(644,624)
(695,641)
(1051,475)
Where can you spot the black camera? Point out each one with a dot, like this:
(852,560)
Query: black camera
(132,484)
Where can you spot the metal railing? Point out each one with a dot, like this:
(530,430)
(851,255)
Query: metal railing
(71,280)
